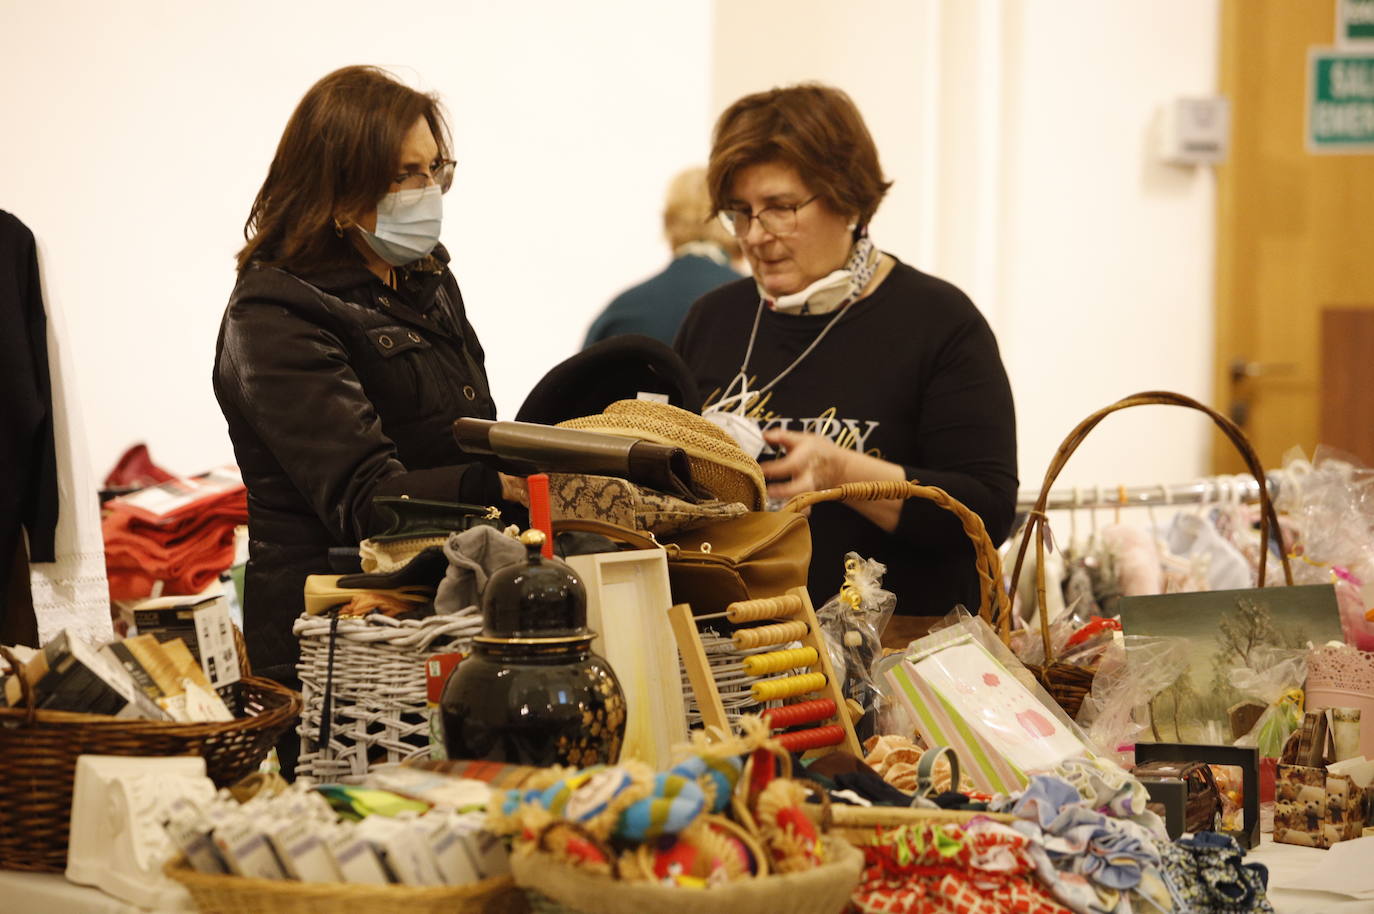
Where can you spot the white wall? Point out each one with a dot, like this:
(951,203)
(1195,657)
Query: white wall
(136,134)
(1106,278)
(1017,135)
(1016,132)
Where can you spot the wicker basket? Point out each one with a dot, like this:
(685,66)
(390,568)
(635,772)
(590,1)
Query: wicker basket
(553,887)
(1070,684)
(378,709)
(220,894)
(994,607)
(38,751)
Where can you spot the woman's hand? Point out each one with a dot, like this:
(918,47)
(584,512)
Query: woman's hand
(514,488)
(809,462)
(813,462)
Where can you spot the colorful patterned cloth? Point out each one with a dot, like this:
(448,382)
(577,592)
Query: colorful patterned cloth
(1205,873)
(1094,863)
(982,868)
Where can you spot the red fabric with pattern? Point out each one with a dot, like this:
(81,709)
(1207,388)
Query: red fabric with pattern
(943,880)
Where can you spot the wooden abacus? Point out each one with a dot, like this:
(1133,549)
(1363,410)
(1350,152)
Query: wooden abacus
(765,622)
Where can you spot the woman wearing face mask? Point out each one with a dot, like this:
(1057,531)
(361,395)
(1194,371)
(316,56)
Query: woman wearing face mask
(843,364)
(345,352)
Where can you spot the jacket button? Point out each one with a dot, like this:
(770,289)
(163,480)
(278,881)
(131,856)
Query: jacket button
(414,337)
(384,301)
(385,341)
(469,392)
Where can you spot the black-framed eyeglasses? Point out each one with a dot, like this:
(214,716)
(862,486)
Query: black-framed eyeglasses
(776,220)
(440,173)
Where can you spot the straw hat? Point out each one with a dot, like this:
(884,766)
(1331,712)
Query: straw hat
(718,464)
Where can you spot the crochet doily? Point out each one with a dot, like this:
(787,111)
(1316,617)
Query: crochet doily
(1341,667)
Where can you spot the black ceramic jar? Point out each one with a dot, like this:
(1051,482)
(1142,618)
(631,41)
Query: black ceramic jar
(532,692)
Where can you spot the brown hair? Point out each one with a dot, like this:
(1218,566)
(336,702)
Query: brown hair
(337,157)
(817,130)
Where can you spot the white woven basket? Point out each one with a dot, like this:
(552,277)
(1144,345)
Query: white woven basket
(379,712)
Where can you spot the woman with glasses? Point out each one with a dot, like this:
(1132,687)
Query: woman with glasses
(839,363)
(345,352)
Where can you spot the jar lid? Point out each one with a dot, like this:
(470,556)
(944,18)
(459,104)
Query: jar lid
(537,597)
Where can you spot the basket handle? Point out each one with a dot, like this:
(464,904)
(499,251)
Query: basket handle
(1038,519)
(25,688)
(995,607)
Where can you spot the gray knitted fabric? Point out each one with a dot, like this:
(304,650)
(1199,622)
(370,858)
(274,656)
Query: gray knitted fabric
(472,556)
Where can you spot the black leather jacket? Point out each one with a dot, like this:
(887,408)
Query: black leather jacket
(337,388)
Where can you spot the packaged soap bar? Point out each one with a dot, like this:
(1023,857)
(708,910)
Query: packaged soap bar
(247,850)
(403,846)
(303,853)
(189,830)
(356,858)
(456,864)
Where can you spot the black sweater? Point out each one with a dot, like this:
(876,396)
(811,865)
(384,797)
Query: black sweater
(910,374)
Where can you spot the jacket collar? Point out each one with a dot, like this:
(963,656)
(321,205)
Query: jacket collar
(338,277)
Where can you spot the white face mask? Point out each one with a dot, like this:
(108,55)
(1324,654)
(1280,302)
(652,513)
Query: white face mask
(408,224)
(730,413)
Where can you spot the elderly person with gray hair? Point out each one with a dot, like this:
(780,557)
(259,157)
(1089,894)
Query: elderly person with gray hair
(702,251)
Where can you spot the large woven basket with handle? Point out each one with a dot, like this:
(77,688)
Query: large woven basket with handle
(993,606)
(1070,684)
(38,751)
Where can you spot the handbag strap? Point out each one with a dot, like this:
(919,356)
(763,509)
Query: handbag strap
(611,531)
(1037,518)
(925,771)
(994,608)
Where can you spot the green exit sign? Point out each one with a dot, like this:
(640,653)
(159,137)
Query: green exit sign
(1354,21)
(1340,100)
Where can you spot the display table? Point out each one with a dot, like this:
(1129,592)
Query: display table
(1288,863)
(50,893)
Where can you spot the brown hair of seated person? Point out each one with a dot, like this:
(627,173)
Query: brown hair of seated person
(814,128)
(337,155)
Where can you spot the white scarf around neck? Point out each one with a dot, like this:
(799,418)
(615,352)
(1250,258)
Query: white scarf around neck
(834,291)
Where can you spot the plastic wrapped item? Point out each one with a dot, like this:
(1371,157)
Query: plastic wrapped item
(1075,639)
(1332,501)
(963,688)
(1276,680)
(852,623)
(1133,670)
(1228,778)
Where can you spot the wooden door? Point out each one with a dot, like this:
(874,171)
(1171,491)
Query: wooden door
(1347,386)
(1295,231)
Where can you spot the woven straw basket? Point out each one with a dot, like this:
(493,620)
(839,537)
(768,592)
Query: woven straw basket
(556,888)
(219,894)
(38,751)
(993,607)
(1070,684)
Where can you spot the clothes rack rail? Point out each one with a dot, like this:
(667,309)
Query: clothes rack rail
(1209,489)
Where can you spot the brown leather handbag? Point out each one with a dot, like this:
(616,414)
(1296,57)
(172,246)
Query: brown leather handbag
(758,554)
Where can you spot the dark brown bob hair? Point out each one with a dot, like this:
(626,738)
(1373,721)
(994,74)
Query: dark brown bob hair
(337,158)
(817,130)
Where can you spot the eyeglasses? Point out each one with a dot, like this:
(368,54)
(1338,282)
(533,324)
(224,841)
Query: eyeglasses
(776,220)
(440,173)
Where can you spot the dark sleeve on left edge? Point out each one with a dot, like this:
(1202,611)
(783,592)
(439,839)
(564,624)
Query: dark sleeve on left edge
(41,507)
(968,436)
